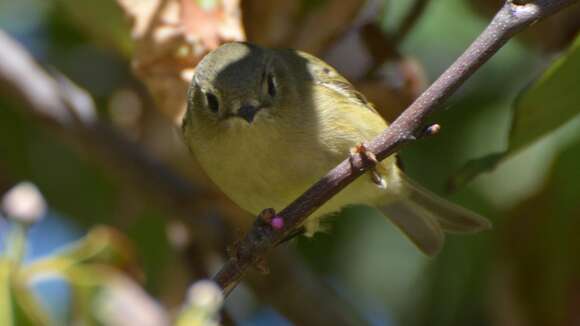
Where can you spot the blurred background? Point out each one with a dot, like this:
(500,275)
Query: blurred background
(115,221)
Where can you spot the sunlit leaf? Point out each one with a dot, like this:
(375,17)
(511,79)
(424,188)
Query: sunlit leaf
(6,314)
(102,245)
(549,103)
(27,308)
(170,38)
(88,265)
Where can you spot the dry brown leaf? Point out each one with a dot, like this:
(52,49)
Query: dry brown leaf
(379,45)
(290,23)
(270,23)
(325,24)
(171,37)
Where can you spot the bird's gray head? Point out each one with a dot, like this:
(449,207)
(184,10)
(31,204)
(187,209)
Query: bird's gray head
(238,82)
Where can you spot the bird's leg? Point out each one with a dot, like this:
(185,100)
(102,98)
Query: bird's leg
(361,150)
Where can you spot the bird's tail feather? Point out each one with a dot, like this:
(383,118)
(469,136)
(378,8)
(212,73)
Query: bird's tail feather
(424,216)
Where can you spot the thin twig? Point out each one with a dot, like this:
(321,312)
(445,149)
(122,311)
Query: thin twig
(509,20)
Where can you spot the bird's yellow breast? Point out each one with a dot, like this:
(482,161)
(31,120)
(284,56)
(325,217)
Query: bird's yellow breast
(267,164)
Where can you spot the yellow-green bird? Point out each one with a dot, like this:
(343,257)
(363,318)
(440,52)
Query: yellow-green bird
(265,124)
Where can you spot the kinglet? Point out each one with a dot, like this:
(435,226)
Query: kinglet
(265,124)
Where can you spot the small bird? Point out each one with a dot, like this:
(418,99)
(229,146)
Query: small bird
(265,124)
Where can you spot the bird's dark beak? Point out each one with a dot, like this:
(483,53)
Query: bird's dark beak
(248,112)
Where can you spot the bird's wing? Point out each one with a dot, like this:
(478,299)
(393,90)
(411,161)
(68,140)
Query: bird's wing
(325,75)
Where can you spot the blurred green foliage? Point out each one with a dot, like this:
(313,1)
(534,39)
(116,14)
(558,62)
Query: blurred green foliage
(544,106)
(89,266)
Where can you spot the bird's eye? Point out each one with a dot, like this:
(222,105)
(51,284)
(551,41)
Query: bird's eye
(212,102)
(271,85)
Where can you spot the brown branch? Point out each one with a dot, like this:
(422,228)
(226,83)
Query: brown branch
(69,112)
(510,19)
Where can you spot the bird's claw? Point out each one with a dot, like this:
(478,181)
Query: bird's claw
(362,150)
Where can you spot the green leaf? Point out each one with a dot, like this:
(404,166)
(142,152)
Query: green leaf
(540,241)
(473,168)
(88,15)
(6,314)
(547,104)
(28,310)
(102,245)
